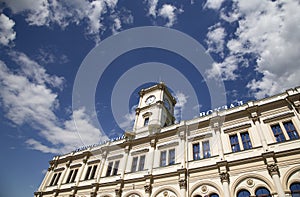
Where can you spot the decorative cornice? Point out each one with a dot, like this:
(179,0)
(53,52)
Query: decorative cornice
(238,127)
(115,157)
(278,117)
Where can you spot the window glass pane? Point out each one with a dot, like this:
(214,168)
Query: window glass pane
(142,163)
(214,195)
(116,167)
(290,129)
(109,168)
(163,158)
(206,149)
(234,143)
(57,178)
(171,156)
(134,164)
(243,193)
(262,192)
(53,179)
(196,151)
(278,133)
(246,140)
(74,176)
(69,177)
(88,173)
(93,172)
(295,189)
(146,122)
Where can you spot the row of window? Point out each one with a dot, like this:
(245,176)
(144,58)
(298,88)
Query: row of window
(281,135)
(264,192)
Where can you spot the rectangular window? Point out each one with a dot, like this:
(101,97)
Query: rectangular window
(246,140)
(171,156)
(290,129)
(146,122)
(278,133)
(53,179)
(70,176)
(163,158)
(142,163)
(206,149)
(116,168)
(134,164)
(109,168)
(88,173)
(234,143)
(93,172)
(57,179)
(74,176)
(196,151)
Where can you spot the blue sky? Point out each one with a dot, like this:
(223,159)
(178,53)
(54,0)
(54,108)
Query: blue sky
(247,50)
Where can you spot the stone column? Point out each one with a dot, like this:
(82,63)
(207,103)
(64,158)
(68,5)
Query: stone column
(274,172)
(182,185)
(103,156)
(224,176)
(216,126)
(124,163)
(254,115)
(84,161)
(151,155)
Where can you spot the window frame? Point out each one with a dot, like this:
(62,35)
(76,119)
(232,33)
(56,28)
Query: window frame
(284,131)
(166,159)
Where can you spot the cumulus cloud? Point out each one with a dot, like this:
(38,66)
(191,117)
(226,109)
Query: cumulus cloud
(169,12)
(129,118)
(7,33)
(27,97)
(213,4)
(269,31)
(64,13)
(181,99)
(152,7)
(215,39)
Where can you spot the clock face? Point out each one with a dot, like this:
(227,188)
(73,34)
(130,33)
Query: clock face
(150,99)
(167,104)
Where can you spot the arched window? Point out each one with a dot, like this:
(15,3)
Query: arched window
(197,196)
(243,193)
(262,192)
(295,189)
(214,195)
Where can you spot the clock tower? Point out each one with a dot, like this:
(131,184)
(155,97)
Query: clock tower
(155,109)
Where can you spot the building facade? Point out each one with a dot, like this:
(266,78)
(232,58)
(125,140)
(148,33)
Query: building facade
(249,150)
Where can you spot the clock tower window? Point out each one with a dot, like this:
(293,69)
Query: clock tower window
(146,121)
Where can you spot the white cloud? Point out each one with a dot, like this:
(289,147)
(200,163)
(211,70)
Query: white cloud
(213,4)
(215,39)
(64,13)
(169,12)
(181,99)
(129,118)
(7,33)
(270,31)
(224,70)
(152,7)
(26,98)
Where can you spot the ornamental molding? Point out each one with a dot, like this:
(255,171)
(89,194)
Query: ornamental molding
(237,127)
(224,176)
(273,169)
(200,136)
(147,188)
(140,152)
(278,117)
(115,157)
(168,145)
(182,184)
